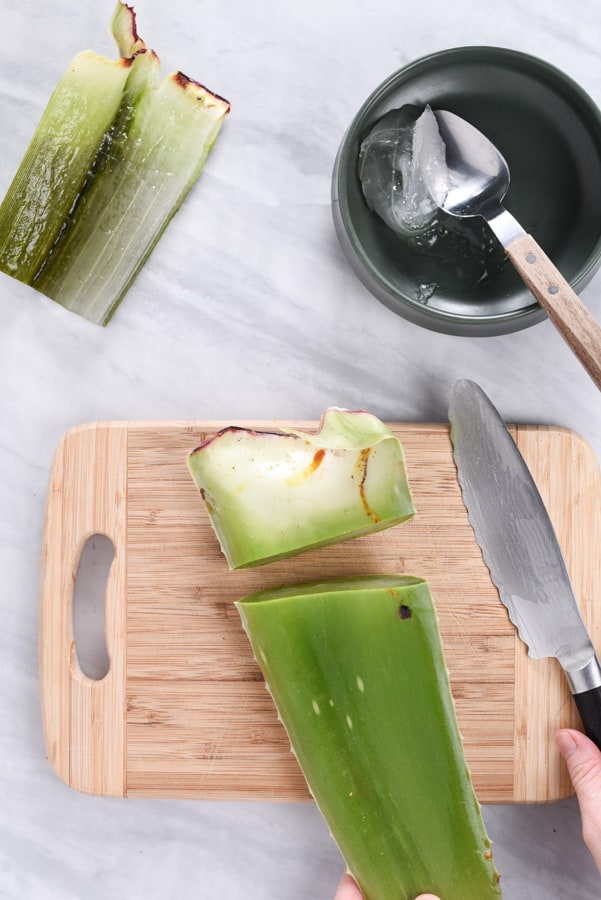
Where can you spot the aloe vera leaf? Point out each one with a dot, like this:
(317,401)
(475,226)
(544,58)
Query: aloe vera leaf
(357,673)
(274,495)
(155,156)
(58,160)
(141,162)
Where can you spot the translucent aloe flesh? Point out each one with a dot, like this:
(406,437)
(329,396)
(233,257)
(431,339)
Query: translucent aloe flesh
(357,673)
(112,159)
(273,495)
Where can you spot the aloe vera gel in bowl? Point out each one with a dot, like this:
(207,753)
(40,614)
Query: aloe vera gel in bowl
(549,131)
(404,178)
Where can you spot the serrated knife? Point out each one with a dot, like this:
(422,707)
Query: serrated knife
(520,548)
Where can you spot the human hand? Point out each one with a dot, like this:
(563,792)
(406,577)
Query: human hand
(583,760)
(348,890)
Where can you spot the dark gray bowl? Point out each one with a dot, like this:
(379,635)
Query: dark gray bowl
(549,131)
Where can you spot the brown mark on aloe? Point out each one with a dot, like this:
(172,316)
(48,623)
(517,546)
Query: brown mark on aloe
(317,460)
(132,23)
(183,80)
(405,612)
(204,93)
(362,466)
(137,44)
(300,477)
(209,505)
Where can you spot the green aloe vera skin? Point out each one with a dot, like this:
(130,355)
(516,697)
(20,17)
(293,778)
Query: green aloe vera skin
(274,495)
(357,673)
(57,162)
(112,159)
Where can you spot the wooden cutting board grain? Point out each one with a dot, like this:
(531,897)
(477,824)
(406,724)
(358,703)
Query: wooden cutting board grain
(183,711)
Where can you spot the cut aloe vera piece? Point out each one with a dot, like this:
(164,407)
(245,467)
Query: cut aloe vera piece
(357,673)
(112,160)
(58,161)
(272,495)
(152,161)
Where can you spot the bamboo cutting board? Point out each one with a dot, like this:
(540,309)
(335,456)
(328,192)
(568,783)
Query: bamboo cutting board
(183,711)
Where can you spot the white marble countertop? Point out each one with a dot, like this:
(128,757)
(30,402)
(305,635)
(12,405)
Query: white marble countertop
(246,309)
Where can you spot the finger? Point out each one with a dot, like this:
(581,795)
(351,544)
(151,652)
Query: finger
(583,760)
(347,889)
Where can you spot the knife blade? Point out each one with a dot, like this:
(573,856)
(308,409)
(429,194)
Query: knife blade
(520,547)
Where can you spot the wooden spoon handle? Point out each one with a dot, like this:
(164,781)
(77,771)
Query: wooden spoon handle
(567,312)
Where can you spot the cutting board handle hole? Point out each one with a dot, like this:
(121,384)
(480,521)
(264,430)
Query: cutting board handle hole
(88,606)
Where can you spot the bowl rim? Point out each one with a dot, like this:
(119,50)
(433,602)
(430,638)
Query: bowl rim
(412,309)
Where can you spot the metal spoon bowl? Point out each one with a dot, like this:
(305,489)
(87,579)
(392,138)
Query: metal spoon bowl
(479,174)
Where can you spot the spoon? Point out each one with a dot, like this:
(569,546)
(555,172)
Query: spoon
(479,180)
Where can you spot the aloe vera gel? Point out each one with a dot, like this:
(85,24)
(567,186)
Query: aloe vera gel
(271,495)
(403,174)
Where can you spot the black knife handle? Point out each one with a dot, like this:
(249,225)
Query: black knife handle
(589,707)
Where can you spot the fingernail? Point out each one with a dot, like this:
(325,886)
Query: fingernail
(565,743)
